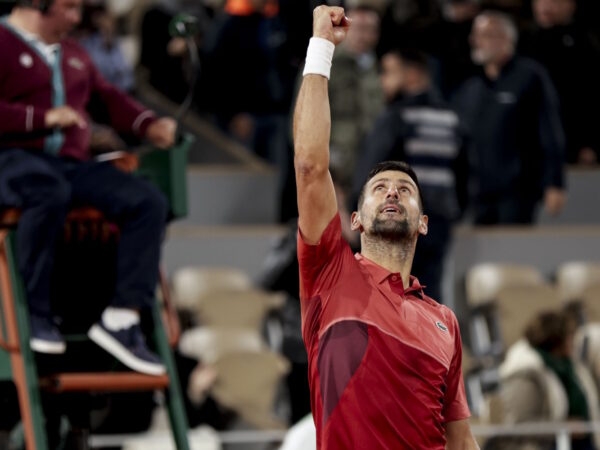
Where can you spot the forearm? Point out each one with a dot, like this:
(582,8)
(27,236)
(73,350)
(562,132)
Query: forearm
(21,118)
(125,114)
(312,124)
(467,444)
(459,436)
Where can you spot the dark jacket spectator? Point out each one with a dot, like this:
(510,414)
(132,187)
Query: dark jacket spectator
(511,111)
(572,57)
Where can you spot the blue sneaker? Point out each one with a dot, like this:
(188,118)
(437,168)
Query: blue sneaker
(128,346)
(45,337)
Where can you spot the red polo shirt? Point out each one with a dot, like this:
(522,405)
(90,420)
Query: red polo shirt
(384,361)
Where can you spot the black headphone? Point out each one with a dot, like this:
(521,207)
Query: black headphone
(42,5)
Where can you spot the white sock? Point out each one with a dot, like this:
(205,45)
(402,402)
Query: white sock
(116,319)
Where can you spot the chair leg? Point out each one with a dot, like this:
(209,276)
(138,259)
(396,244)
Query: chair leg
(175,404)
(23,362)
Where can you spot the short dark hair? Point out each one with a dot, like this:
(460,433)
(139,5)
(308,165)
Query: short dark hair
(548,330)
(42,5)
(398,166)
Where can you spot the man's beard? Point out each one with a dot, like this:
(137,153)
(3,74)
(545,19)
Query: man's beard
(478,57)
(391,230)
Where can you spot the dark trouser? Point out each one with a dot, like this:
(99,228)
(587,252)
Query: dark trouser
(430,255)
(505,209)
(45,187)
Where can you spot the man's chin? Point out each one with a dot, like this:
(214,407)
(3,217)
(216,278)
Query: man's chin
(392,230)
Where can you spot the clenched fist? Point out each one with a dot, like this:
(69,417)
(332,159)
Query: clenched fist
(161,132)
(330,22)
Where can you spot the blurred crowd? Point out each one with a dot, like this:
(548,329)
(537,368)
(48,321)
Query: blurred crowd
(520,75)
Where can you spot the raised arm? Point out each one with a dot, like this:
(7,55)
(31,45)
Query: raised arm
(459,436)
(312,126)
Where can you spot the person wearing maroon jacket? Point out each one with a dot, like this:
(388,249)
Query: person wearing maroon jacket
(47,82)
(384,359)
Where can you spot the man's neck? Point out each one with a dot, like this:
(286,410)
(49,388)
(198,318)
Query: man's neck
(25,19)
(29,20)
(397,257)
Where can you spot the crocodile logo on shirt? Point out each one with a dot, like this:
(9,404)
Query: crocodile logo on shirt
(441,326)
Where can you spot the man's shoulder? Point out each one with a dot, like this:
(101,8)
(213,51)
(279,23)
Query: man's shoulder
(529,67)
(442,310)
(8,39)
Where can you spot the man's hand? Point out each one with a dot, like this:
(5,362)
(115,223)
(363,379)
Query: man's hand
(161,133)
(64,117)
(554,200)
(177,47)
(330,22)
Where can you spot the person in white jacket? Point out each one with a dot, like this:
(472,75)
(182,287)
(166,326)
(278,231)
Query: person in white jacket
(540,380)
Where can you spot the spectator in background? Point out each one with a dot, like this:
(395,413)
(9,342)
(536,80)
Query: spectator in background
(588,15)
(354,91)
(451,49)
(409,24)
(511,110)
(572,57)
(164,56)
(242,85)
(98,35)
(418,127)
(541,382)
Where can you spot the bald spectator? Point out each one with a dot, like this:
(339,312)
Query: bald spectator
(511,111)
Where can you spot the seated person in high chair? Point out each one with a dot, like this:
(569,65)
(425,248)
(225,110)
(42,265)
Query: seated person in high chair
(47,84)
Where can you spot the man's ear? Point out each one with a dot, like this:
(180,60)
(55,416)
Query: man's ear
(355,222)
(423,221)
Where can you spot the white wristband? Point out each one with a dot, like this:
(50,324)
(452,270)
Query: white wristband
(318,57)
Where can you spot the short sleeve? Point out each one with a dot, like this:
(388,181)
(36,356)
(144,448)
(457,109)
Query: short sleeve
(313,259)
(455,400)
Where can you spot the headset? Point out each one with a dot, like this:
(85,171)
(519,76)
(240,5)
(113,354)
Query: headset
(42,5)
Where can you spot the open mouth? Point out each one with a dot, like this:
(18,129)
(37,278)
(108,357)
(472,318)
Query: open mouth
(390,209)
